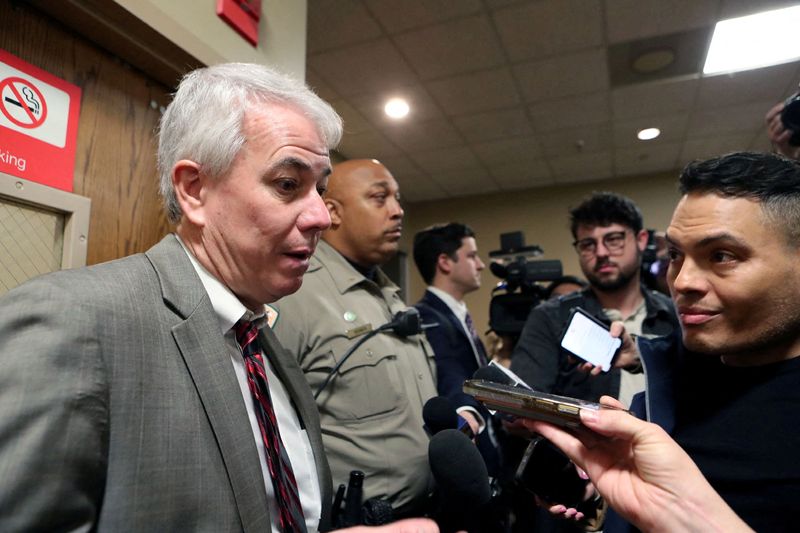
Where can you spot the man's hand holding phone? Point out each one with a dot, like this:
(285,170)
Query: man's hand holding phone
(600,347)
(627,356)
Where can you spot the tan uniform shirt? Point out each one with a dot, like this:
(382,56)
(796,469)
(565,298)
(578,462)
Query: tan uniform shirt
(371,412)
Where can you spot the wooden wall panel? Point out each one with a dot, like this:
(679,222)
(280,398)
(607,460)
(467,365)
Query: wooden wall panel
(115,161)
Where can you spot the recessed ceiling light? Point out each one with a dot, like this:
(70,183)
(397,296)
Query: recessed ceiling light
(652,61)
(396,108)
(754,41)
(648,134)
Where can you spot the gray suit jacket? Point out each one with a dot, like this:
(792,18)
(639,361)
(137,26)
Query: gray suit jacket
(120,409)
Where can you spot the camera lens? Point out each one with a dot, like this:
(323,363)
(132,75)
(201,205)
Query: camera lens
(790,116)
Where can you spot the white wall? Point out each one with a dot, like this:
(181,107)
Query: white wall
(195,27)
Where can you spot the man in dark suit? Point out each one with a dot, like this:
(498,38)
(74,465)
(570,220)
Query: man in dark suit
(447,259)
(145,394)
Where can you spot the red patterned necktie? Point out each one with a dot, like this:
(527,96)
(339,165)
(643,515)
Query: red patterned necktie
(280,469)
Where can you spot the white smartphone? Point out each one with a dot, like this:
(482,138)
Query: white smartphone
(589,340)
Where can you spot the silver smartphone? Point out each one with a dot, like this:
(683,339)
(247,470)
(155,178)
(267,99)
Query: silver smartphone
(559,410)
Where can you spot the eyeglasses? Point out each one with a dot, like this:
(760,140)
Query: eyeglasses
(614,242)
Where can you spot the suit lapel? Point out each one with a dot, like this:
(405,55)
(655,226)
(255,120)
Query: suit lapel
(437,303)
(205,355)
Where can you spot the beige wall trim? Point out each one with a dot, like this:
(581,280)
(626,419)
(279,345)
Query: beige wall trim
(76,210)
(114,28)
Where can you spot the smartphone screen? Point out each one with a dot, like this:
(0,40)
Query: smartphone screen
(589,340)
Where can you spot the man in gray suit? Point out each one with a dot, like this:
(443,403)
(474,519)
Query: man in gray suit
(126,391)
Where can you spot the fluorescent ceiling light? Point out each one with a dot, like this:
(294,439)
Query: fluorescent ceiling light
(648,134)
(396,108)
(755,41)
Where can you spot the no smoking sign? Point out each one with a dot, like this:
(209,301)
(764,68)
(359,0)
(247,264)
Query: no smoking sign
(38,123)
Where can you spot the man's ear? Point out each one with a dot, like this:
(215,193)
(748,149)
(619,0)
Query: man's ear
(335,209)
(444,263)
(641,239)
(189,186)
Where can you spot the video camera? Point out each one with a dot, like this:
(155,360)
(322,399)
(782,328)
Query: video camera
(521,288)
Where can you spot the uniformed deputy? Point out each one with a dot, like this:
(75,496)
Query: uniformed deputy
(371,412)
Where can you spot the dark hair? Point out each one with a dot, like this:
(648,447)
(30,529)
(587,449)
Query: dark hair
(770,179)
(604,209)
(433,241)
(574,280)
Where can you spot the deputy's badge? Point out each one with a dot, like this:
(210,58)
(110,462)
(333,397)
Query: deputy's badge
(358,331)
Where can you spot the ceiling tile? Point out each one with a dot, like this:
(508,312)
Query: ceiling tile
(658,98)
(672,127)
(566,75)
(741,8)
(354,122)
(577,141)
(458,158)
(467,182)
(420,188)
(494,125)
(370,67)
(770,83)
(521,175)
(478,91)
(335,23)
(412,136)
(462,45)
(627,20)
(322,89)
(647,159)
(521,150)
(582,167)
(561,26)
(708,147)
(760,142)
(400,165)
(398,16)
(422,106)
(367,144)
(570,112)
(746,118)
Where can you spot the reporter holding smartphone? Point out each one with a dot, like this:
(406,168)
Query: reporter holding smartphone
(609,240)
(726,391)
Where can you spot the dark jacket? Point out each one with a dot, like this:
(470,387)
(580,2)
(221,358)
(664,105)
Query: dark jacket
(541,362)
(455,362)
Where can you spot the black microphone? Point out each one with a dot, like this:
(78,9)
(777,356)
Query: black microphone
(462,481)
(439,414)
(404,324)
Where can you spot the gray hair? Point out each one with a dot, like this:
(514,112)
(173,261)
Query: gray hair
(204,122)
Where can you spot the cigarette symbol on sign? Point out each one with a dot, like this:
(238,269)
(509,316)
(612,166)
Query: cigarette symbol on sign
(24,96)
(12,101)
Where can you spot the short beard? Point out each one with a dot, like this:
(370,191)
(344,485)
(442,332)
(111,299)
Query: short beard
(623,280)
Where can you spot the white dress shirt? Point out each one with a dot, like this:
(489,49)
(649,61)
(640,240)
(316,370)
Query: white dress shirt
(295,439)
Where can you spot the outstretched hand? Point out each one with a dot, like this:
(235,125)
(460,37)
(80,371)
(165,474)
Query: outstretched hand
(641,472)
(779,135)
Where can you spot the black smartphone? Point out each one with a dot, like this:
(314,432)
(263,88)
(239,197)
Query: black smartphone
(559,410)
(547,472)
(588,339)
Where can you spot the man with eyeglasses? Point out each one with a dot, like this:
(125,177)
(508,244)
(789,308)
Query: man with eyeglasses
(609,239)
